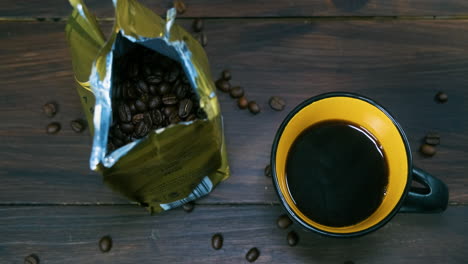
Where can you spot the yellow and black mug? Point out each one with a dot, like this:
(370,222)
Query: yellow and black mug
(315,191)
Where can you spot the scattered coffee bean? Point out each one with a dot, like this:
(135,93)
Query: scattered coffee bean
(432,139)
(292,238)
(283,221)
(53,128)
(31,259)
(252,255)
(268,170)
(236,92)
(197,25)
(78,125)
(223,85)
(441,97)
(50,109)
(242,102)
(254,108)
(217,241)
(226,75)
(188,207)
(180,7)
(428,150)
(105,244)
(277,103)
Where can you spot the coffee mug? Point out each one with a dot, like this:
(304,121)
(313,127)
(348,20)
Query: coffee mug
(398,195)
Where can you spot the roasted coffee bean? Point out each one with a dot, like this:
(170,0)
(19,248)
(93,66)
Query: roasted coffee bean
(142,87)
(153,79)
(140,106)
(138,118)
(118,133)
(191,117)
(428,150)
(441,97)
(147,70)
(174,118)
(152,88)
(78,125)
(125,114)
(292,238)
(105,244)
(31,259)
(155,102)
(181,90)
(254,108)
(197,25)
(188,207)
(217,241)
(201,114)
(223,85)
(268,170)
(141,130)
(277,103)
(117,142)
(157,117)
(126,127)
(50,109)
(131,93)
(252,255)
(133,109)
(148,121)
(184,79)
(236,92)
(185,108)
(145,98)
(168,110)
(169,99)
(163,88)
(432,139)
(226,75)
(283,221)
(242,102)
(53,128)
(180,7)
(172,75)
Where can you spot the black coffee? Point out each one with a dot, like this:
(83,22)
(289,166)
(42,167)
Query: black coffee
(336,173)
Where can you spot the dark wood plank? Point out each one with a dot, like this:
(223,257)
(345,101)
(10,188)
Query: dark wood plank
(401,64)
(251,8)
(70,234)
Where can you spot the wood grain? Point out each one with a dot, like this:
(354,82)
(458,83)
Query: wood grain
(70,234)
(401,64)
(250,8)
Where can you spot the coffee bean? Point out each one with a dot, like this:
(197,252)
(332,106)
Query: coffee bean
(427,150)
(441,97)
(217,241)
(283,221)
(141,130)
(131,93)
(236,92)
(157,117)
(142,87)
(185,108)
(145,98)
(153,79)
(197,25)
(172,75)
(50,109)
(53,128)
(117,142)
(155,102)
(191,117)
(180,7)
(105,244)
(254,108)
(432,139)
(168,110)
(140,106)
(188,207)
(223,85)
(252,255)
(117,132)
(174,118)
(31,259)
(292,238)
(163,88)
(242,102)
(138,118)
(268,170)
(126,127)
(148,121)
(181,90)
(133,109)
(277,103)
(226,75)
(169,99)
(125,113)
(152,88)
(78,125)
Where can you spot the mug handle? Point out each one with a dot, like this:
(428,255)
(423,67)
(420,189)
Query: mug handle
(432,199)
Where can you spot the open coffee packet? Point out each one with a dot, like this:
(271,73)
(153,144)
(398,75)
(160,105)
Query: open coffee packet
(151,106)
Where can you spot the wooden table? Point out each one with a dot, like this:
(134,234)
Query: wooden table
(400,53)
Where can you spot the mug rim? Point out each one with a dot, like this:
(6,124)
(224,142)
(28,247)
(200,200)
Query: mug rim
(274,148)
